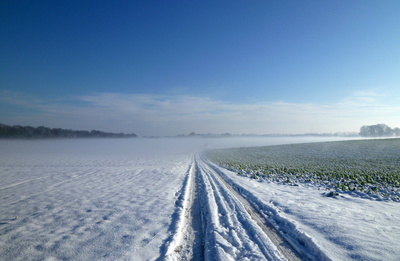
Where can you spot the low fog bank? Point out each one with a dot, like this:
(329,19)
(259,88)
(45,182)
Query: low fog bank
(235,142)
(139,147)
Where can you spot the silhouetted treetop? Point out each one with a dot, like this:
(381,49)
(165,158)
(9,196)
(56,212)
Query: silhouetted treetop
(378,130)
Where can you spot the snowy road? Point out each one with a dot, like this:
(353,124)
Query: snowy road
(237,218)
(217,223)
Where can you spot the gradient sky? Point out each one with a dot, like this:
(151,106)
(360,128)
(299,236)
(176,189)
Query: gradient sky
(173,67)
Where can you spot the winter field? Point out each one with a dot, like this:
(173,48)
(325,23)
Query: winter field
(163,199)
(338,197)
(367,168)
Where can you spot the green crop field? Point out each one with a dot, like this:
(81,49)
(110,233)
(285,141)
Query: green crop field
(370,167)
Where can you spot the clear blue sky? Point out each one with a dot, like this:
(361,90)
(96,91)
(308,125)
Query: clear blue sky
(171,67)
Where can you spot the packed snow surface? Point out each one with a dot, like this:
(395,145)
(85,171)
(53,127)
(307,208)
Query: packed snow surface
(123,199)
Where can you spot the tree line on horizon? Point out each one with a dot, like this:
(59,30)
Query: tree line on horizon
(17,131)
(379,130)
(29,132)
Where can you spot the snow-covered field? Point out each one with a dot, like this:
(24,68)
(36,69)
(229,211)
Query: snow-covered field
(368,168)
(291,184)
(91,199)
(147,199)
(87,199)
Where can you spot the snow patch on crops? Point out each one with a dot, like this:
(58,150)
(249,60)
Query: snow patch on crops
(369,169)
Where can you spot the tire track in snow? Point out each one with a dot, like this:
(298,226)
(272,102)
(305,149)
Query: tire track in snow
(230,232)
(197,220)
(216,223)
(300,245)
(281,243)
(188,242)
(22,182)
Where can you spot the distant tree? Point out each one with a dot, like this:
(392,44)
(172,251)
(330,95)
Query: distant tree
(378,130)
(44,132)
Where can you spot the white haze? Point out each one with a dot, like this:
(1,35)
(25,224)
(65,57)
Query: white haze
(139,147)
(169,115)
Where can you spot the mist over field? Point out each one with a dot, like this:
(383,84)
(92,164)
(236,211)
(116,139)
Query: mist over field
(140,147)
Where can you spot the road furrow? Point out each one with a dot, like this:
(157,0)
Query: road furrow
(281,243)
(218,223)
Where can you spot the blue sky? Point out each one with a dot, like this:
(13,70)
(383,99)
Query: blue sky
(172,67)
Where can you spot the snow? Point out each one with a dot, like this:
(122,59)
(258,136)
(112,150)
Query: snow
(344,227)
(87,199)
(231,234)
(128,199)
